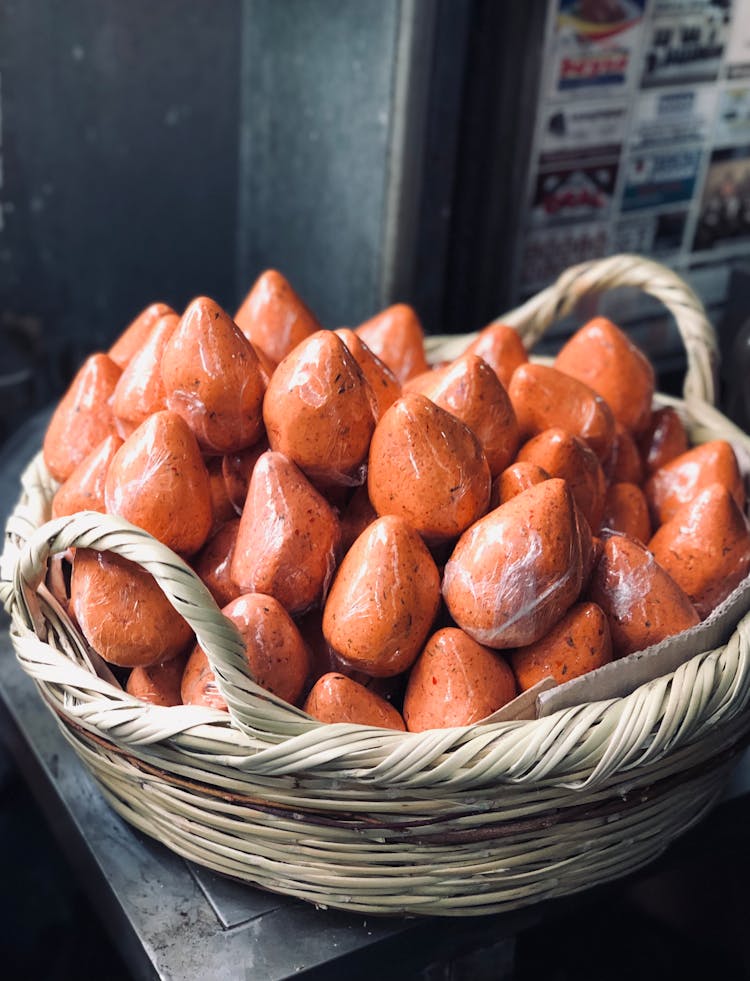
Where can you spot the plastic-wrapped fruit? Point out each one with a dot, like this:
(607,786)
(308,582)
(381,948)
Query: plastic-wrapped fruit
(83,417)
(383,599)
(396,336)
(518,477)
(605,358)
(626,511)
(516,571)
(455,682)
(319,411)
(288,539)
(544,397)
(213,379)
(135,334)
(427,467)
(383,383)
(84,488)
(336,698)
(158,684)
(643,604)
(705,547)
(663,439)
(158,480)
(470,390)
(122,612)
(214,562)
(577,644)
(140,389)
(277,657)
(566,456)
(683,478)
(502,348)
(623,464)
(273,317)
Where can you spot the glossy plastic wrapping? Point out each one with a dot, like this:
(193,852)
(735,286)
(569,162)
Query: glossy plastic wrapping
(517,570)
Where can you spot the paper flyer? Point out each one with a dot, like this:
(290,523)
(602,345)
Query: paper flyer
(724,212)
(738,45)
(548,252)
(685,41)
(594,45)
(659,235)
(733,117)
(660,177)
(574,193)
(664,117)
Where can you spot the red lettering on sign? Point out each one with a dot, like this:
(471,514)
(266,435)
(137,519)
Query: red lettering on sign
(612,64)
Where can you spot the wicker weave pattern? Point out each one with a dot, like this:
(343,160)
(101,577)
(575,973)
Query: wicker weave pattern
(454,821)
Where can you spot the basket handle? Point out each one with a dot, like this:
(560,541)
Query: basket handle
(537,314)
(216,634)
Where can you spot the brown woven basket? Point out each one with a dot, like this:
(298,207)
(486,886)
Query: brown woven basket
(457,821)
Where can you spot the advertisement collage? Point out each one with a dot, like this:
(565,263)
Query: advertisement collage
(642,139)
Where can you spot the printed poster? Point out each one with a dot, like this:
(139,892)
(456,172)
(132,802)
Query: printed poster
(733,117)
(724,215)
(574,193)
(660,177)
(664,117)
(595,46)
(685,41)
(569,128)
(738,46)
(652,234)
(548,252)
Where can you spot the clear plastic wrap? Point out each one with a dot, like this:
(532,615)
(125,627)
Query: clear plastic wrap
(337,698)
(383,600)
(123,613)
(604,357)
(564,455)
(515,572)
(471,391)
(683,478)
(705,547)
(213,379)
(277,657)
(158,480)
(455,682)
(642,602)
(84,488)
(502,348)
(140,389)
(83,417)
(288,539)
(426,466)
(320,412)
(274,318)
(578,643)
(544,397)
(384,385)
(396,336)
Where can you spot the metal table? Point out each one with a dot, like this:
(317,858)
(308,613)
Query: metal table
(173,920)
